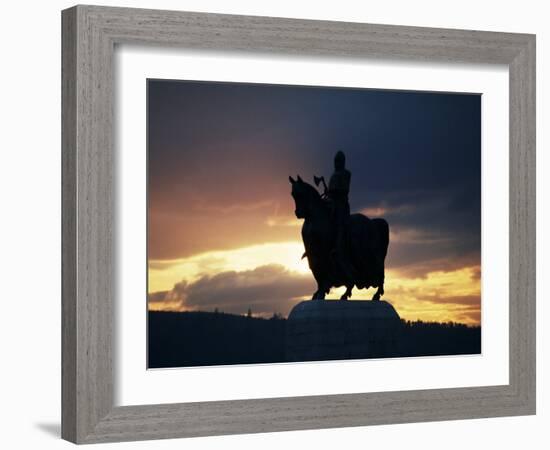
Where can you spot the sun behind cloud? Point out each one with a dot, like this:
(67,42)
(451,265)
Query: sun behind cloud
(163,274)
(273,277)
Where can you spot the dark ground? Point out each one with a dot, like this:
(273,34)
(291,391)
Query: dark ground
(212,338)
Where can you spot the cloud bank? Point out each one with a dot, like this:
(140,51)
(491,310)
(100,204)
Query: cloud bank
(265,290)
(269,289)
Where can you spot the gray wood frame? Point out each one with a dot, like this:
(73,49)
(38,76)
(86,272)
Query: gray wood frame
(89,36)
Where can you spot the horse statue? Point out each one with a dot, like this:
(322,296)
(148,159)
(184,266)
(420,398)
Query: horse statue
(368,244)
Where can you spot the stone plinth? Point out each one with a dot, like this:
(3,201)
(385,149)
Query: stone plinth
(334,329)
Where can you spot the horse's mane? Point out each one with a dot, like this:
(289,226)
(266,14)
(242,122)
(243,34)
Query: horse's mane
(313,195)
(311,191)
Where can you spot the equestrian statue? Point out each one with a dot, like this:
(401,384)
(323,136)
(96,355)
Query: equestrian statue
(342,249)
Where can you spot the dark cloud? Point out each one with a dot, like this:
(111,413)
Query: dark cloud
(220,155)
(470,300)
(431,229)
(411,267)
(157,297)
(265,290)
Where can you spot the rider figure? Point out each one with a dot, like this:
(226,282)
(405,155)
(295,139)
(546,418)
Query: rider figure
(337,193)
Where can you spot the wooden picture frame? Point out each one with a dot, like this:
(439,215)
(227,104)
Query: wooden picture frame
(89,37)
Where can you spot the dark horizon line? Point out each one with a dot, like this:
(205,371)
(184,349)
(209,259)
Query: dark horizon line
(278,316)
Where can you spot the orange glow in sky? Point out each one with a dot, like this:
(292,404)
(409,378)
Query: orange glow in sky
(222,229)
(439,296)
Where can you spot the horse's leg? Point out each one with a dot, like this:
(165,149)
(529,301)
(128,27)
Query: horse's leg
(347,294)
(379,293)
(320,293)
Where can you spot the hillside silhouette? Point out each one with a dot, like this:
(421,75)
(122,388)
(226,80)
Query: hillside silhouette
(183,339)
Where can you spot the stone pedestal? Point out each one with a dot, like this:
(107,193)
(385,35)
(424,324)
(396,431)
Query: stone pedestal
(334,329)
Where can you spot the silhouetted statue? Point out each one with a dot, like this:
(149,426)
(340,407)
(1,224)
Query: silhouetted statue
(337,194)
(342,249)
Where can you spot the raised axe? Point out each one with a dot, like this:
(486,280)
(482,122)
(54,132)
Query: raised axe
(319,180)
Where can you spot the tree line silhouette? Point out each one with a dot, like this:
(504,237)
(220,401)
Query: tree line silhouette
(199,338)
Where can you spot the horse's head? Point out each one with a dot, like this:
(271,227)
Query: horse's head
(305,197)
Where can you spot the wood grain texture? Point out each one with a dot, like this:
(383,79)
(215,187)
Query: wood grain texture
(523,224)
(89,36)
(68,226)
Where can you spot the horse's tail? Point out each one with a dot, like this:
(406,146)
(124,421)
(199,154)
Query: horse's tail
(385,234)
(384,230)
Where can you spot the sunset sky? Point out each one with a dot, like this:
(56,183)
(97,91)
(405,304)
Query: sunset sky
(221,226)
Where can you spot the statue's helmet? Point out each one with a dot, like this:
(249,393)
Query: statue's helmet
(340,160)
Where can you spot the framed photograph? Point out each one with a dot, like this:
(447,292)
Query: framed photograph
(268,222)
